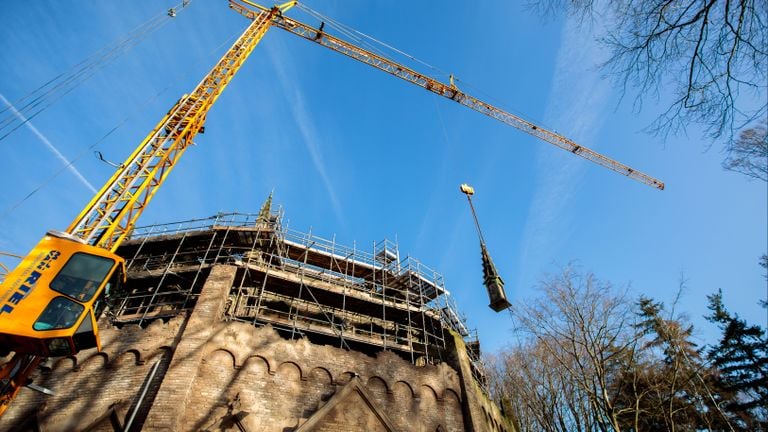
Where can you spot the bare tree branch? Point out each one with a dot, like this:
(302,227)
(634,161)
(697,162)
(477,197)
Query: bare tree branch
(709,57)
(748,154)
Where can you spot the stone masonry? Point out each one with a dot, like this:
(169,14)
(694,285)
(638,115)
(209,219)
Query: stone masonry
(197,369)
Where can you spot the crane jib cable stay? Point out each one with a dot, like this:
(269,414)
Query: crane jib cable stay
(43,315)
(21,111)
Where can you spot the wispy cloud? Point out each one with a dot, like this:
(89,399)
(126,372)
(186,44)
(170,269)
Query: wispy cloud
(306,125)
(48,144)
(576,103)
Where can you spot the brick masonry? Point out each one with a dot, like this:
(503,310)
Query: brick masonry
(217,375)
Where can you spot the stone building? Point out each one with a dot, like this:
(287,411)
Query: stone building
(238,323)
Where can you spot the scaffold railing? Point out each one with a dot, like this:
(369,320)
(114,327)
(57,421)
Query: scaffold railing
(376,274)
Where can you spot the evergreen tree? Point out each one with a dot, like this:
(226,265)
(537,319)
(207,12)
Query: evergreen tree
(741,360)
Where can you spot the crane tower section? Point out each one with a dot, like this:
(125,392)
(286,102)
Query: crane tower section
(113,211)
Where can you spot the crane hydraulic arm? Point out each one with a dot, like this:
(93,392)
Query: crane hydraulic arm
(449,91)
(50,303)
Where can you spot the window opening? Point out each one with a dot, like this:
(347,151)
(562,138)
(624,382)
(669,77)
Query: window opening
(112,290)
(61,313)
(82,276)
(84,337)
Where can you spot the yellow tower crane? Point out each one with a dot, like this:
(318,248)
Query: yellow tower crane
(50,303)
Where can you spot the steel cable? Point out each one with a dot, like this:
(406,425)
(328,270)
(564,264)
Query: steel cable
(40,99)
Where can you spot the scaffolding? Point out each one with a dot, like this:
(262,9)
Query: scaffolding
(364,299)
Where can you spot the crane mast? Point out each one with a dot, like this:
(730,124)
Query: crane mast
(102,226)
(449,91)
(113,211)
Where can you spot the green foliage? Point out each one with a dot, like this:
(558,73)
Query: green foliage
(741,361)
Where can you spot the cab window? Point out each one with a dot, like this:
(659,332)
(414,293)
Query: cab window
(61,313)
(113,289)
(84,337)
(81,276)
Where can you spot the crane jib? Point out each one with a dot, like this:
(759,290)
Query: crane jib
(448,91)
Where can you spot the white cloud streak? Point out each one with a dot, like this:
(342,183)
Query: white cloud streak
(306,128)
(50,145)
(577,101)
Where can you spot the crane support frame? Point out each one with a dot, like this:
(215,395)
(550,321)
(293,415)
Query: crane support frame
(446,90)
(113,212)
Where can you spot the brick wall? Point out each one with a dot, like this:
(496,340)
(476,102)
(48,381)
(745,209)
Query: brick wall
(281,383)
(217,375)
(93,384)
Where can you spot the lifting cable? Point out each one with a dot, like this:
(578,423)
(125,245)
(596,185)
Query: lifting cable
(178,78)
(35,102)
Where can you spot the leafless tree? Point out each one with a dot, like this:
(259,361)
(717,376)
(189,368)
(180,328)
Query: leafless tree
(710,56)
(748,154)
(577,333)
(537,392)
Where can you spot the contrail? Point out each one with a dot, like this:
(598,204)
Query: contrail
(50,146)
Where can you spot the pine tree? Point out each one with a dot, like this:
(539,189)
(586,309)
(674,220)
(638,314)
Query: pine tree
(741,360)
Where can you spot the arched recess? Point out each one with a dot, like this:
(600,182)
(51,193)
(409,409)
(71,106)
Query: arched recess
(487,416)
(402,388)
(256,365)
(321,375)
(289,369)
(378,389)
(377,384)
(220,357)
(427,392)
(161,352)
(97,361)
(449,396)
(131,357)
(65,364)
(428,406)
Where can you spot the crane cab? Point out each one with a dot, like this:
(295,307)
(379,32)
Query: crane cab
(51,302)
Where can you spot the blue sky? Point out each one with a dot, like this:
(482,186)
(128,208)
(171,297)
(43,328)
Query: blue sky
(358,154)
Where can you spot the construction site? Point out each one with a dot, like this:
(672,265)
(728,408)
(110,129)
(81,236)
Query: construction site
(236,321)
(328,326)
(303,285)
